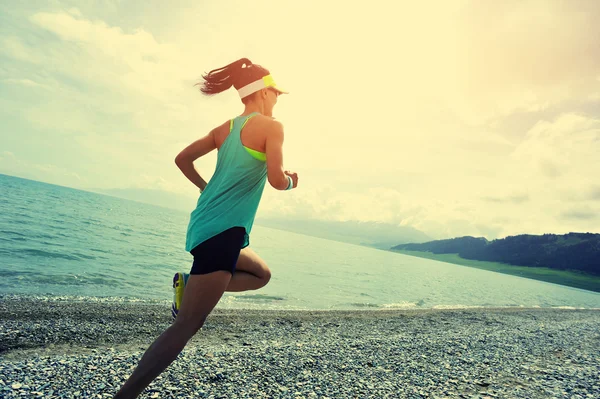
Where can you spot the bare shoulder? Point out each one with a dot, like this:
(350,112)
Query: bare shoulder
(269,125)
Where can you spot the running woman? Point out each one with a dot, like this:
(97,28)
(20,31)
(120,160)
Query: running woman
(250,152)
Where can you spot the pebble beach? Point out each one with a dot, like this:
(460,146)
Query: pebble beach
(59,348)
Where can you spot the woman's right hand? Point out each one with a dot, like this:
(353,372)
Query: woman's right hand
(294,177)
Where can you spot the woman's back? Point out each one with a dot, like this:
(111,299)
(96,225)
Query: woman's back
(253,134)
(232,195)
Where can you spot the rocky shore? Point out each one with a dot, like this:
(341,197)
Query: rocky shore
(56,348)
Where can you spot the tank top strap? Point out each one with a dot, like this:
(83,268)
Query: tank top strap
(242,119)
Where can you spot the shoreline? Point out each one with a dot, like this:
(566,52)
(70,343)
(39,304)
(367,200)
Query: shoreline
(89,348)
(60,298)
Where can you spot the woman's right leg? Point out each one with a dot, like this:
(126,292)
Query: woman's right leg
(251,272)
(202,293)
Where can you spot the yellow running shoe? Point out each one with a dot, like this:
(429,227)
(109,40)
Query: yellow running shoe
(179,281)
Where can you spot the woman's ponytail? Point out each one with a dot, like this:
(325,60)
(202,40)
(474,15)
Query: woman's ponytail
(219,80)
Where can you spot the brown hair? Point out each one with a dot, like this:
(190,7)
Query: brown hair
(237,74)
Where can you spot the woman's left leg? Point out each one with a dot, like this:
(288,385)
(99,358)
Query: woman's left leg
(251,272)
(202,293)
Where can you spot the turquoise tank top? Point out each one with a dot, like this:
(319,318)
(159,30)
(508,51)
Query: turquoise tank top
(232,195)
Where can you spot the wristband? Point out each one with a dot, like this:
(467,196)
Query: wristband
(290,183)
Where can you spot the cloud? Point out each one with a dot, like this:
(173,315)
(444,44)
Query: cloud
(566,147)
(96,68)
(549,168)
(526,56)
(137,60)
(594,194)
(586,214)
(11,164)
(74,11)
(6,155)
(26,83)
(439,218)
(13,47)
(515,199)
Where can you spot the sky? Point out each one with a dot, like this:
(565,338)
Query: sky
(456,118)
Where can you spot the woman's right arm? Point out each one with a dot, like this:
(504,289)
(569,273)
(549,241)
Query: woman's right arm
(185,159)
(278,178)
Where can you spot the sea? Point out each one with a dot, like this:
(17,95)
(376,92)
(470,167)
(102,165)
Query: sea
(68,244)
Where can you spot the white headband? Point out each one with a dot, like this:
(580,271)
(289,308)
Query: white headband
(262,83)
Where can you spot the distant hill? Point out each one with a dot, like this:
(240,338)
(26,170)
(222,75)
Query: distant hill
(372,234)
(573,251)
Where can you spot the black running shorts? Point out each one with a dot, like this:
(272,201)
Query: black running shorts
(220,252)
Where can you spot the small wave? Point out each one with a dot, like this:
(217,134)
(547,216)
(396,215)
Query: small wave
(92,222)
(55,255)
(151,233)
(11,273)
(100,250)
(81,298)
(14,233)
(23,215)
(457,306)
(52,244)
(124,229)
(46,254)
(363,305)
(75,280)
(258,297)
(80,255)
(401,305)
(229,301)
(40,235)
